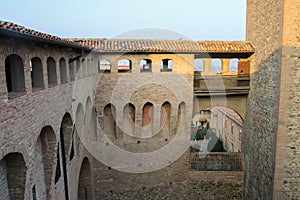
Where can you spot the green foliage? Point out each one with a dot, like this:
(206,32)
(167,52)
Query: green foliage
(200,134)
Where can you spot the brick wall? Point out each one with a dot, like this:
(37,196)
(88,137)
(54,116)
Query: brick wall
(270,123)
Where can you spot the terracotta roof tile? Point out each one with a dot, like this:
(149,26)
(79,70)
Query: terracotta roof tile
(148,45)
(15,28)
(136,45)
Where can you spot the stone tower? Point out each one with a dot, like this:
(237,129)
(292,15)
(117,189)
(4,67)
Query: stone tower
(272,129)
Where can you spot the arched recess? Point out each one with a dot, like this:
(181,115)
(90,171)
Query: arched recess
(14,73)
(233,65)
(181,116)
(51,71)
(124,65)
(85,186)
(66,133)
(146,65)
(37,78)
(63,70)
(147,119)
(129,119)
(93,124)
(71,70)
(78,66)
(46,150)
(166,65)
(216,65)
(79,119)
(13,176)
(110,121)
(165,115)
(87,115)
(83,67)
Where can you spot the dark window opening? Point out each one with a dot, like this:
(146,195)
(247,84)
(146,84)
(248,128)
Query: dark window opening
(146,65)
(166,65)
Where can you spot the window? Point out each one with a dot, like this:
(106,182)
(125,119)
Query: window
(51,70)
(104,66)
(198,65)
(216,65)
(166,65)
(146,65)
(14,73)
(37,79)
(233,65)
(124,65)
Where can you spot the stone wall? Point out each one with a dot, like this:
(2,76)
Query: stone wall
(273,30)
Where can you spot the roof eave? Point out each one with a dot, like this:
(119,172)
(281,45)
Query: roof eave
(28,37)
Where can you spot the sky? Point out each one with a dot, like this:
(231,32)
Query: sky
(163,19)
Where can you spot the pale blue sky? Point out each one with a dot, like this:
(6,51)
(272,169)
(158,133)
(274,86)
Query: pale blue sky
(194,19)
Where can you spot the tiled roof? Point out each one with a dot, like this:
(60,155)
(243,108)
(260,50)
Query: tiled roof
(131,45)
(149,45)
(18,29)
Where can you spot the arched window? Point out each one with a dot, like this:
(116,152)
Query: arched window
(104,66)
(216,65)
(124,65)
(14,73)
(233,65)
(71,70)
(63,70)
(146,65)
(198,65)
(51,70)
(166,65)
(37,78)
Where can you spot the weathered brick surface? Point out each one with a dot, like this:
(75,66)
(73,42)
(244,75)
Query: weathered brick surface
(23,118)
(270,141)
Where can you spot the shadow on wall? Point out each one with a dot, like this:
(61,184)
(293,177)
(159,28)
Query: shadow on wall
(261,124)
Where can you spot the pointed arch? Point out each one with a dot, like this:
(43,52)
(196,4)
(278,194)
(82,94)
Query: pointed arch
(46,148)
(85,186)
(129,119)
(147,116)
(165,115)
(13,170)
(110,121)
(79,119)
